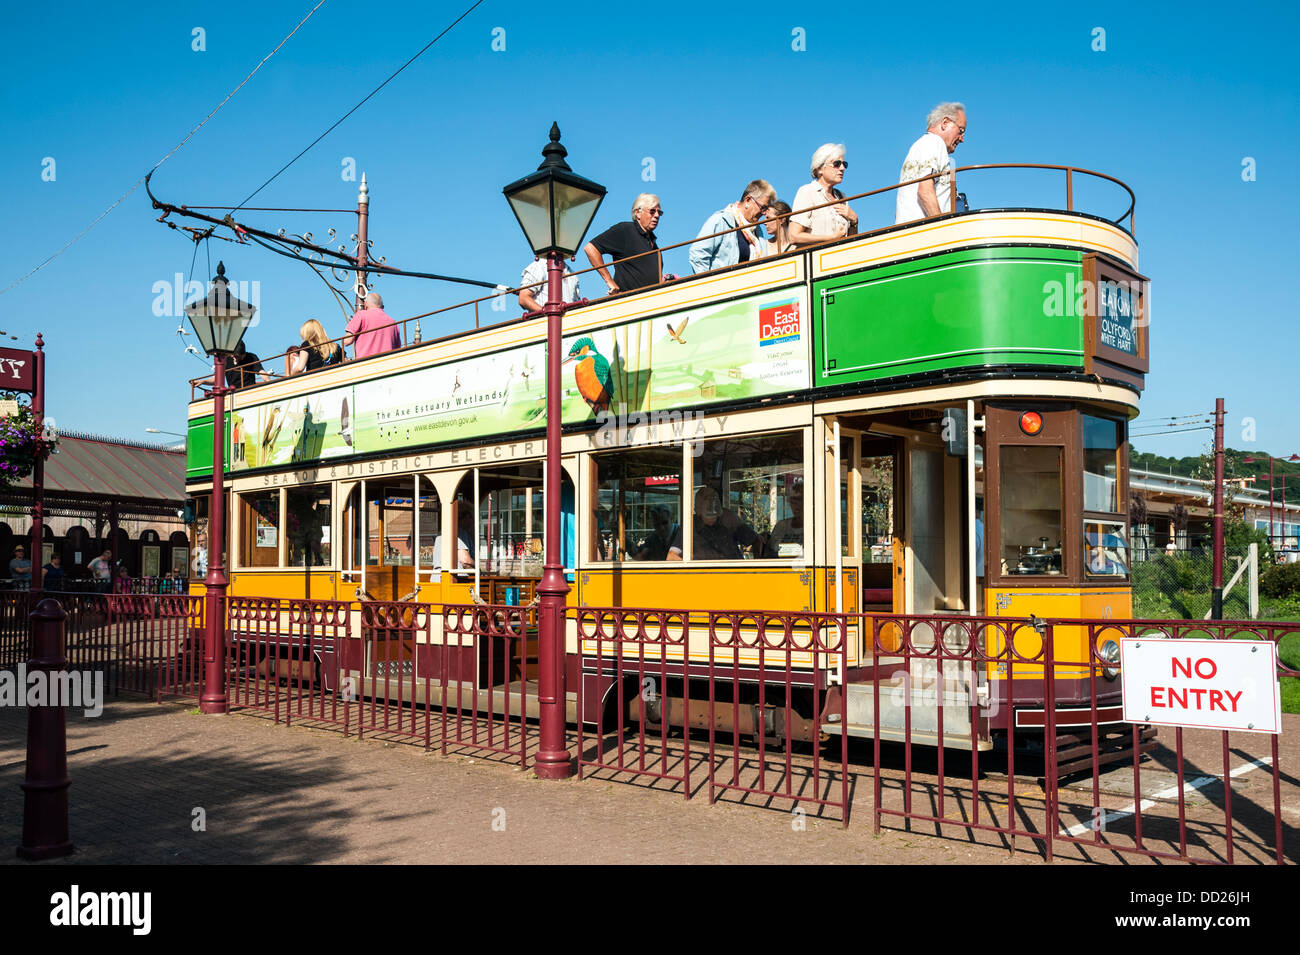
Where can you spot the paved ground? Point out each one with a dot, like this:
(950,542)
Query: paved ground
(142,773)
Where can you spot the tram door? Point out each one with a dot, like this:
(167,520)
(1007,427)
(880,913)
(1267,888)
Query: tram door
(881,544)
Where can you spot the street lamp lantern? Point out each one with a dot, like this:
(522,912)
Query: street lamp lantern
(554,208)
(554,205)
(219,318)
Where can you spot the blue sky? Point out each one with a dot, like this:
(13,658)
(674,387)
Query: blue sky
(1179,98)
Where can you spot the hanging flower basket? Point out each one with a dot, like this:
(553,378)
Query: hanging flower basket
(19,442)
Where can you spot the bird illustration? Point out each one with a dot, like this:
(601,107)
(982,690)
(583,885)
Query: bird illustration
(274,422)
(595,383)
(345,424)
(680,331)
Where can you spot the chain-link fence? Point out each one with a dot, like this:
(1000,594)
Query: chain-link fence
(1179,585)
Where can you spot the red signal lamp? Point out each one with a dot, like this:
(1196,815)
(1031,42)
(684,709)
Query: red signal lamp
(1031,422)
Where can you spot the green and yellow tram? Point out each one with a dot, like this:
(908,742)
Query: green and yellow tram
(928,419)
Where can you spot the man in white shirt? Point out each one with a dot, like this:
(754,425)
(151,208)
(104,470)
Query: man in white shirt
(533,296)
(945,130)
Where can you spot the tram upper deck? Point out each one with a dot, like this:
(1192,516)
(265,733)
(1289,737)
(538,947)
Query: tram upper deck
(813,370)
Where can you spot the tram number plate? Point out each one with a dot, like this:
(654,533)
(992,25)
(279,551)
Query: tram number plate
(393,667)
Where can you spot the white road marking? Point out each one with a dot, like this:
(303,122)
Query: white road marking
(1170,793)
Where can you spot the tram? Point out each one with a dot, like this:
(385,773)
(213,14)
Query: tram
(927,419)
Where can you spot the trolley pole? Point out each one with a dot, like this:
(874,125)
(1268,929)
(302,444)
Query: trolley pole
(214,699)
(363,241)
(1216,609)
(552,760)
(38,469)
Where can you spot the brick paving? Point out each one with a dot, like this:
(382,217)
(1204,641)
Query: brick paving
(276,794)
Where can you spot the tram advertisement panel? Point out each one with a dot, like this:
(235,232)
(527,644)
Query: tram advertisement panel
(751,347)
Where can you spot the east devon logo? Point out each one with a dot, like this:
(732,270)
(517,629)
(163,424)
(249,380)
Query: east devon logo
(778,323)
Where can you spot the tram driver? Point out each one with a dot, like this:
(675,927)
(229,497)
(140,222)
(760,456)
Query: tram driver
(718,533)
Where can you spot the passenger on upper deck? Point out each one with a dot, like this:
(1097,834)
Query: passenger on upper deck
(244,367)
(719,534)
(739,245)
(832,222)
(316,350)
(778,229)
(532,286)
(630,238)
(945,128)
(372,330)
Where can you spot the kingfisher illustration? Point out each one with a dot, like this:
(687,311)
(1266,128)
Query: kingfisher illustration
(595,383)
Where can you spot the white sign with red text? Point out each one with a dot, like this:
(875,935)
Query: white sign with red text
(1211,684)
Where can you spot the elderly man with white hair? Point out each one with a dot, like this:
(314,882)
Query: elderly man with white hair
(626,239)
(372,330)
(945,128)
(738,241)
(832,221)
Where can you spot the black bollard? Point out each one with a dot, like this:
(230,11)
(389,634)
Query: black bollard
(45,787)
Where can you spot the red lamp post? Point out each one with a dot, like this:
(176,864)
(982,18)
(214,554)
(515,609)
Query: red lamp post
(554,208)
(220,320)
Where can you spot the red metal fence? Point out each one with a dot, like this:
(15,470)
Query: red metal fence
(146,644)
(757,664)
(633,674)
(962,713)
(1048,683)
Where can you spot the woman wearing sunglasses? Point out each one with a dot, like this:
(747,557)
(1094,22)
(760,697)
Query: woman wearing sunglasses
(832,221)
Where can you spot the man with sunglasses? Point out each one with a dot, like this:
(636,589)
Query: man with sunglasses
(945,129)
(624,239)
(739,241)
(830,221)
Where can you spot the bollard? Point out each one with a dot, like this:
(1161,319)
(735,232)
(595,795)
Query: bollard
(45,787)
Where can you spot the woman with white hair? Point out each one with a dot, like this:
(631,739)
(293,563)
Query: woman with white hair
(832,221)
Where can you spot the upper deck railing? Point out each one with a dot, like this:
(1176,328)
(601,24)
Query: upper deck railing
(412,337)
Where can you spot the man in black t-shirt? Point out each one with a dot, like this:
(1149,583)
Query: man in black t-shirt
(630,238)
(242,368)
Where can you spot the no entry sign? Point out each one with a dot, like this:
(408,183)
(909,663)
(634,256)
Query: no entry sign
(1212,684)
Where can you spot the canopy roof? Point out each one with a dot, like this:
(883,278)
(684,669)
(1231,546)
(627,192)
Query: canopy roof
(92,472)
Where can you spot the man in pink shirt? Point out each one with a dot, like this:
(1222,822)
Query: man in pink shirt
(372,331)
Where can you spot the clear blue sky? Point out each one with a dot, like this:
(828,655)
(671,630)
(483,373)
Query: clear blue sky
(716,96)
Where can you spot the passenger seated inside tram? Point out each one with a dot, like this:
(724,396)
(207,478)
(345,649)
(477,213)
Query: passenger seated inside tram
(464,539)
(660,538)
(718,533)
(786,538)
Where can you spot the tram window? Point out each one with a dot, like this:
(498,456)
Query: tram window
(260,529)
(1102,439)
(638,503)
(390,523)
(430,525)
(846,465)
(749,499)
(1105,548)
(878,515)
(307,515)
(1031,509)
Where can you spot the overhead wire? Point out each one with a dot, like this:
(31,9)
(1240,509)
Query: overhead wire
(122,198)
(363,101)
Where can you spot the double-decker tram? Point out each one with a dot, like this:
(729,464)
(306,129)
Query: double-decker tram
(930,419)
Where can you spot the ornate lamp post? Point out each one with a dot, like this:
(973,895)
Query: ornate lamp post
(554,208)
(219,320)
